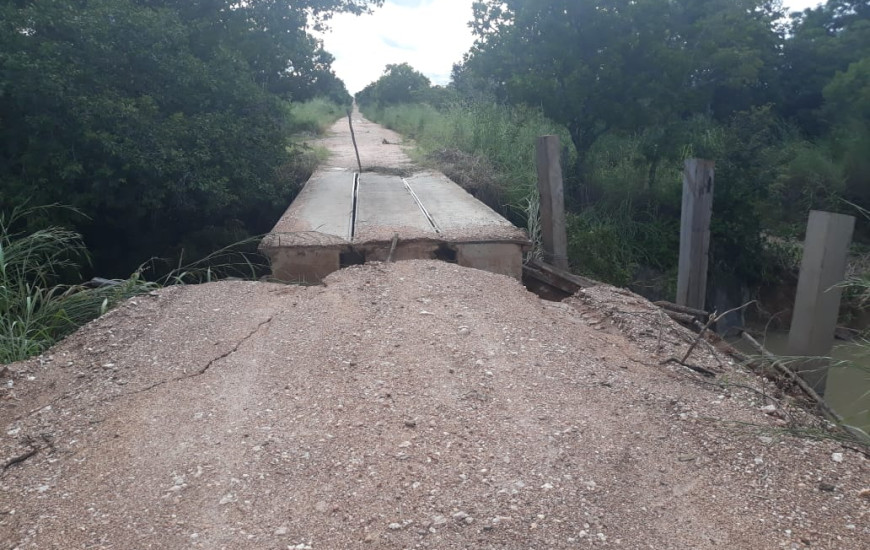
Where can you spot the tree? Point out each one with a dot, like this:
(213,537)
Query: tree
(400,83)
(620,64)
(156,118)
(824,40)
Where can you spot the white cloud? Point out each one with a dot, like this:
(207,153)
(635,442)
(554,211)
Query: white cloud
(430,35)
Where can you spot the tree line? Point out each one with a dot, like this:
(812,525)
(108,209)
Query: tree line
(164,122)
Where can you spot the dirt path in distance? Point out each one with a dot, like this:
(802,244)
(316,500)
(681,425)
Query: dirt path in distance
(378,146)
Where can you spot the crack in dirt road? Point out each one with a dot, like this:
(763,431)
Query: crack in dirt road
(204,369)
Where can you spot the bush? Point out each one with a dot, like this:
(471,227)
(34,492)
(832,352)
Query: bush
(314,116)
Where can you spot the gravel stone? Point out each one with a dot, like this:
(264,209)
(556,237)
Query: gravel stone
(257,405)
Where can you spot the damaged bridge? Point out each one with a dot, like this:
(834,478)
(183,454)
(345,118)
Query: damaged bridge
(344,217)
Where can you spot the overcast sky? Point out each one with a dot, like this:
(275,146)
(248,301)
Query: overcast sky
(430,35)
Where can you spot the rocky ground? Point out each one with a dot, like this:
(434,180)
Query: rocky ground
(407,405)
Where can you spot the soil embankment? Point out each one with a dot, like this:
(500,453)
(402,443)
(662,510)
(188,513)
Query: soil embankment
(407,405)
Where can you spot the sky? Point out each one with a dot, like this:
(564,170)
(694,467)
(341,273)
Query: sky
(430,35)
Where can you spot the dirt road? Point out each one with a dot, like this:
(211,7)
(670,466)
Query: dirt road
(378,147)
(408,405)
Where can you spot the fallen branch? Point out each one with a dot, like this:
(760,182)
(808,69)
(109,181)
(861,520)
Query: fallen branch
(683,318)
(714,318)
(792,376)
(686,310)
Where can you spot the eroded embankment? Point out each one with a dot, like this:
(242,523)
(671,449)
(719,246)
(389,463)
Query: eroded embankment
(416,404)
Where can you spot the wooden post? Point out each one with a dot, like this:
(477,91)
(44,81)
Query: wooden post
(817,304)
(695,233)
(552,195)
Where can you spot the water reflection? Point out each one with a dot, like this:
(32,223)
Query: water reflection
(848,389)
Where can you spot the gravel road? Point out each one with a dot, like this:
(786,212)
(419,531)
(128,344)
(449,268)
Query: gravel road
(407,405)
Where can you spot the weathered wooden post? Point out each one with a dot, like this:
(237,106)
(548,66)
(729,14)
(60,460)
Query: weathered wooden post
(695,232)
(817,303)
(552,194)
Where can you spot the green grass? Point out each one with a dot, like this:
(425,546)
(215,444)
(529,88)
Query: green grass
(504,136)
(314,116)
(490,150)
(35,310)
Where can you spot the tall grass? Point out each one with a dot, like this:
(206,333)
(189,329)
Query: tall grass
(609,237)
(503,135)
(314,116)
(36,310)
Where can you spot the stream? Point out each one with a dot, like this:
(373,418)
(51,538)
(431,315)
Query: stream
(848,389)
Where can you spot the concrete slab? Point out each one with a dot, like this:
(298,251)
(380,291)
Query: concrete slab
(386,207)
(324,206)
(339,220)
(303,264)
(457,214)
(817,304)
(505,258)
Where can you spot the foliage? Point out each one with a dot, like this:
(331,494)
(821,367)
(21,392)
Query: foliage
(315,116)
(504,135)
(156,118)
(823,41)
(36,311)
(400,83)
(621,65)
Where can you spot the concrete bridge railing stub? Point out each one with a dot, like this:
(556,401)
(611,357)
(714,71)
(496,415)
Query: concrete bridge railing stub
(341,218)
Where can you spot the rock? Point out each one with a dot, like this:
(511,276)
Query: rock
(768,409)
(438,520)
(837,457)
(395,526)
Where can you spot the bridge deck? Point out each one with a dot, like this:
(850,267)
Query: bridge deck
(343,218)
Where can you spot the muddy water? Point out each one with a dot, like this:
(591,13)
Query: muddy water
(848,389)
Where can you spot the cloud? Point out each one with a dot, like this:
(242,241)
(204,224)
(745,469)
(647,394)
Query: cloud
(430,35)
(390,43)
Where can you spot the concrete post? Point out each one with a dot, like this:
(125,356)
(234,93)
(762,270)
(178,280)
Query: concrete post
(552,195)
(695,232)
(817,304)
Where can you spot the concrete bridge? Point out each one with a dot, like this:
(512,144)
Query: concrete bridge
(344,217)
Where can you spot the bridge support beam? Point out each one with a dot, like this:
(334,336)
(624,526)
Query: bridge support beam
(817,304)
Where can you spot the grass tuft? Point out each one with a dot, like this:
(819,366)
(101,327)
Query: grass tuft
(35,310)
